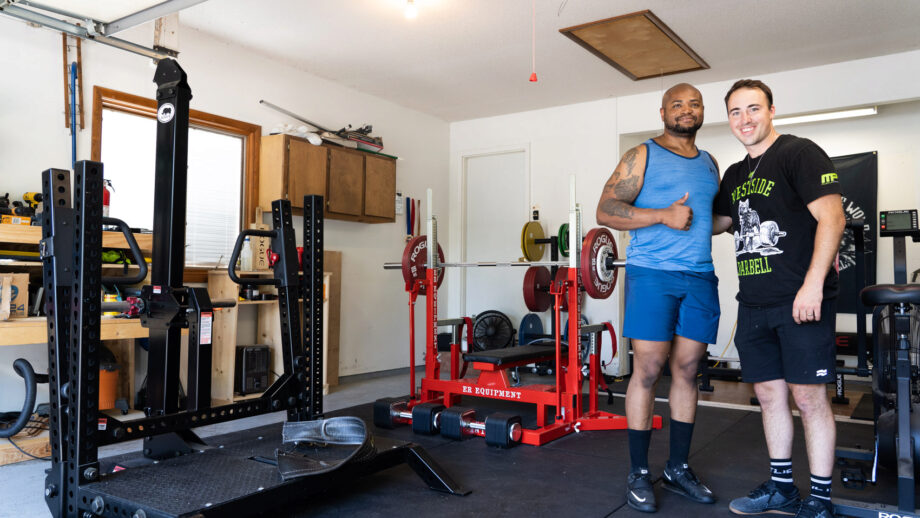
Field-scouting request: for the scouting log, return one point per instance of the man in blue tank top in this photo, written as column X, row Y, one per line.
column 662, row 193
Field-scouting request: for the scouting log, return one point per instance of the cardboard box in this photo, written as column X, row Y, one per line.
column 14, row 295
column 8, row 219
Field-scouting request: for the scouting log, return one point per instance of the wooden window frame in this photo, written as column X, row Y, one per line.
column 106, row 98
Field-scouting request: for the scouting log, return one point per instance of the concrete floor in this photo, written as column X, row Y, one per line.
column 22, row 484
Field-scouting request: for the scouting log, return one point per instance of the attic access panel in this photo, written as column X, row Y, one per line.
column 639, row 45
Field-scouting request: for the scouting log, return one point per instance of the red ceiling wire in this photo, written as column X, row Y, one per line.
column 533, row 43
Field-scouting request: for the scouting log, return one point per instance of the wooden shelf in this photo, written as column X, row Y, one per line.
column 34, row 330
column 30, row 235
column 253, row 302
column 34, row 264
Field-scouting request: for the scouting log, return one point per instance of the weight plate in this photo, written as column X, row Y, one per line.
column 562, row 239
column 503, row 430
column 536, row 289
column 530, row 329
column 453, row 420
column 596, row 249
column 425, row 418
column 415, row 259
column 383, row 417
column 561, row 275
column 532, row 250
column 492, row 330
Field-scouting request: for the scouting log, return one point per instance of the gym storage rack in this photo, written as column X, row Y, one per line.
column 178, row 473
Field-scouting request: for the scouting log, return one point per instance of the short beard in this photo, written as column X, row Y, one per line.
column 683, row 130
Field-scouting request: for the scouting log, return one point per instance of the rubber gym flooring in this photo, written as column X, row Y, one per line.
column 581, row 474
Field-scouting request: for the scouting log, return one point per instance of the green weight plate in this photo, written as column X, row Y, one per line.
column 530, row 233
column 562, row 239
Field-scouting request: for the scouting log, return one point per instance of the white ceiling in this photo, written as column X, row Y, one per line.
column 464, row 59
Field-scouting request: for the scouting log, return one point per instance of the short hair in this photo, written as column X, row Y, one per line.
column 755, row 84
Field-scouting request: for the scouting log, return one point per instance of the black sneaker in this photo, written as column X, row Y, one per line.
column 683, row 481
column 814, row 507
column 766, row 499
column 639, row 494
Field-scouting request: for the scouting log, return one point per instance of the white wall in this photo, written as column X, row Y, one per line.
column 228, row 81
column 589, row 138
column 579, row 140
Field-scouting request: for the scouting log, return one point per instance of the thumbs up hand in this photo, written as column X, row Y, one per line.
column 678, row 216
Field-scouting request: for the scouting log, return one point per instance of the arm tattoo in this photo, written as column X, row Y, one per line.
column 630, row 160
column 628, row 189
column 624, row 186
column 617, row 208
column 611, row 185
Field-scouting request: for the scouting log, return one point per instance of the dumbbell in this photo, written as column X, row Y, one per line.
column 388, row 412
column 499, row 429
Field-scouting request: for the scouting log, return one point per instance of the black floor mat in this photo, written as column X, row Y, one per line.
column 864, row 409
column 581, row 474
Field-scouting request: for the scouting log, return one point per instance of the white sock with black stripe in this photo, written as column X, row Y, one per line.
column 781, row 475
column 821, row 487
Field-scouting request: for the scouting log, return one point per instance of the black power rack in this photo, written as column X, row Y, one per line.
column 180, row 474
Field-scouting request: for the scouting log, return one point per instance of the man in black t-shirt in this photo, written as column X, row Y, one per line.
column 783, row 202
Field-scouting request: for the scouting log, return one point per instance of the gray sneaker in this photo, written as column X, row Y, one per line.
column 766, row 499
column 813, row 507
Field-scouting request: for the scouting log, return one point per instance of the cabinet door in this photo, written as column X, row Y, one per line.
column 306, row 171
column 380, row 188
column 346, row 182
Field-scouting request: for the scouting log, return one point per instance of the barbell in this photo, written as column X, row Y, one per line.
column 597, row 268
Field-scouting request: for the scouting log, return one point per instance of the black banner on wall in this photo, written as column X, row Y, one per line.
column 859, row 183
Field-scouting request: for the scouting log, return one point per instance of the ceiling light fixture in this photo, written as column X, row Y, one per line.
column 816, row 117
column 411, row 11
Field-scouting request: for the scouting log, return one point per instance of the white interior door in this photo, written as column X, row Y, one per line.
column 496, row 206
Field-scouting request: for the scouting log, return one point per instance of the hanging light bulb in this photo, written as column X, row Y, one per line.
column 411, row 10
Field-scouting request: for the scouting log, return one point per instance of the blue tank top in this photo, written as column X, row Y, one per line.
column 667, row 177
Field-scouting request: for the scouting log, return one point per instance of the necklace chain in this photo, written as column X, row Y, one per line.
column 754, row 171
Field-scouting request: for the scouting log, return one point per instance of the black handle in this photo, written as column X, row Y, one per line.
column 24, row 369
column 235, row 255
column 135, row 252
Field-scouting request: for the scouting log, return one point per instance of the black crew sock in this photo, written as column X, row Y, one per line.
column 821, row 488
column 638, row 449
column 681, row 434
column 781, row 475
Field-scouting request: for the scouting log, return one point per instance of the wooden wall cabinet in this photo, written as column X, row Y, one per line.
column 357, row 186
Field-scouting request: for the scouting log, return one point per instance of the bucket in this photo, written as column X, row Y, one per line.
column 108, row 385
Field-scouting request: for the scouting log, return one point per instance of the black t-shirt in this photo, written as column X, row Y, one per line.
column 774, row 231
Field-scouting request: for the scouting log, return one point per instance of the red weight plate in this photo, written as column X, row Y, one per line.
column 415, row 258
column 562, row 274
column 597, row 247
column 536, row 286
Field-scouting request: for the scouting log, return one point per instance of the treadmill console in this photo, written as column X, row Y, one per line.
column 894, row 223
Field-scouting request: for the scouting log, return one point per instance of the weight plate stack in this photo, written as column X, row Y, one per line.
column 562, row 239
column 415, row 261
column 532, row 231
column 536, row 289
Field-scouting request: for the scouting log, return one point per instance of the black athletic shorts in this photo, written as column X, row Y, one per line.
column 772, row 346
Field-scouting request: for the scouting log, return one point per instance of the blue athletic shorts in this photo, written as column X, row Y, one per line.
column 662, row 303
